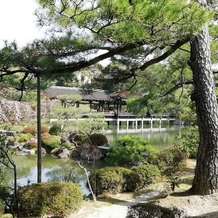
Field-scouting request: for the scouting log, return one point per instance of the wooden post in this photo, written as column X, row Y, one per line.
column 39, row 149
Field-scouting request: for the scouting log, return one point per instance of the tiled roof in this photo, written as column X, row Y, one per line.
column 92, row 95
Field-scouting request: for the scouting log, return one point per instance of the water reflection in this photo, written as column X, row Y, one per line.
column 159, row 139
column 54, row 169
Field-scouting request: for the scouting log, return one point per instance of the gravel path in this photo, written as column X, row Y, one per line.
column 118, row 210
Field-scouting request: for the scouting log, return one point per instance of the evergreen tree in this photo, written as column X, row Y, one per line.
column 205, row 180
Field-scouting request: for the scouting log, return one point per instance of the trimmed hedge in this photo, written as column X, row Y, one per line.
column 130, row 150
column 24, row 137
column 170, row 161
column 55, row 129
column 81, row 138
column 98, row 139
column 146, row 173
column 44, row 129
column 114, row 180
column 148, row 210
column 53, row 198
column 30, row 129
column 32, row 144
column 51, row 141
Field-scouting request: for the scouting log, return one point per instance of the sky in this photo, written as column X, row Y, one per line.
column 17, row 22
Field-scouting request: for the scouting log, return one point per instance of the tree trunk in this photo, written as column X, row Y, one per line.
column 206, row 173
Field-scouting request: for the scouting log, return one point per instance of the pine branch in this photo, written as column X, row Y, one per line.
column 165, row 55
column 177, row 86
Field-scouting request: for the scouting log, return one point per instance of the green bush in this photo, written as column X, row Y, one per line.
column 81, row 138
column 11, row 140
column 55, row 129
column 24, row 137
column 146, row 173
column 53, row 198
column 170, row 161
column 5, row 194
column 98, row 139
column 51, row 142
column 114, row 180
column 68, row 146
column 2, row 207
column 130, row 150
column 30, row 129
column 5, row 191
column 148, row 210
column 190, row 143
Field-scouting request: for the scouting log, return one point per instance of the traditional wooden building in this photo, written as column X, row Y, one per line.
column 98, row 99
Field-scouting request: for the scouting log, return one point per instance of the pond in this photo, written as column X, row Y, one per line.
column 54, row 169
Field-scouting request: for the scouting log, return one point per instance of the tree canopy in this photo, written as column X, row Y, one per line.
column 96, row 30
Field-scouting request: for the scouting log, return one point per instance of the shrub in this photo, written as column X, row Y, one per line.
column 5, row 194
column 130, row 150
column 98, row 139
column 2, row 207
column 170, row 161
column 55, row 129
column 81, row 138
column 148, row 210
column 190, row 144
column 24, row 137
column 68, row 146
column 11, row 140
column 45, row 136
column 146, row 173
column 44, row 129
column 30, row 129
column 32, row 144
column 114, row 180
column 51, row 142
column 53, row 198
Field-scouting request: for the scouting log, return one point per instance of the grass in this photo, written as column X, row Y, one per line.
column 7, row 215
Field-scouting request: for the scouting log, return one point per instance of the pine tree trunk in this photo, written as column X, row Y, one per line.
column 206, row 173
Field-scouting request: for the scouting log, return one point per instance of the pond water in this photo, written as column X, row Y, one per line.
column 54, row 169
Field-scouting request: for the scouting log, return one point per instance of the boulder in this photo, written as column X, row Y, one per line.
column 61, row 153
column 63, row 156
column 43, row 151
column 28, row 151
column 89, row 152
column 64, row 139
column 25, row 151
